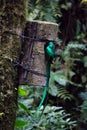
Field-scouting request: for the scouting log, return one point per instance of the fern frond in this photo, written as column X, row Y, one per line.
column 76, row 46
column 64, row 94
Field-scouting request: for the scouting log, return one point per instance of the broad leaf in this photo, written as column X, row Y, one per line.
column 23, row 107
column 60, row 78
column 22, row 92
column 20, row 123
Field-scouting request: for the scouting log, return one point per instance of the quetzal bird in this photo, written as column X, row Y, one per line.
column 49, row 55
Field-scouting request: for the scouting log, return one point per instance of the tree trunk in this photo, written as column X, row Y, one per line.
column 12, row 16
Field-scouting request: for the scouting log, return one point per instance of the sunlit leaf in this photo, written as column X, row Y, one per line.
column 1, row 114
column 22, row 92
column 84, row 1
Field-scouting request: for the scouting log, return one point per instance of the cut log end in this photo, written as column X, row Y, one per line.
column 35, row 59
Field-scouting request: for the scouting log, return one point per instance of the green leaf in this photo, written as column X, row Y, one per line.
column 60, row 78
column 71, row 73
column 1, row 114
column 20, row 123
column 23, row 107
column 85, row 61
column 53, row 90
column 75, row 84
column 22, row 92
column 63, row 6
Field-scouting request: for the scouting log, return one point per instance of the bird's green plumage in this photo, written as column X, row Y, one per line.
column 50, row 50
column 49, row 54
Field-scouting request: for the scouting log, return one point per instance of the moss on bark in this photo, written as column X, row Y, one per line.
column 12, row 15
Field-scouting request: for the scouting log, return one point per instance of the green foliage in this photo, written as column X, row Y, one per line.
column 64, row 94
column 21, row 105
column 62, row 78
column 20, row 123
column 83, row 107
column 43, row 10
column 1, row 114
column 52, row 118
column 59, row 89
column 85, row 61
column 80, row 30
column 68, row 80
column 21, row 91
column 84, row 112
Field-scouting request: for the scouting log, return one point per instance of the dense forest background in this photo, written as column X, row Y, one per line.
column 66, row 102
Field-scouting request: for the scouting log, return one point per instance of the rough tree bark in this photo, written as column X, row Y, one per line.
column 33, row 54
column 12, row 18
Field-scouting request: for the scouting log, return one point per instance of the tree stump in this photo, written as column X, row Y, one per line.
column 33, row 55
